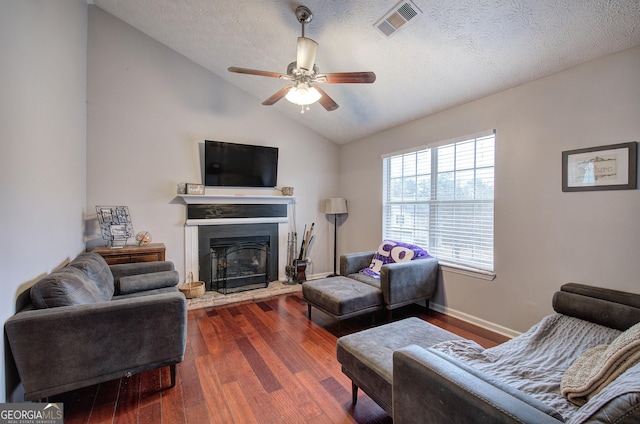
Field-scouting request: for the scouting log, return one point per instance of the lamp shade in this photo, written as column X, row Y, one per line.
column 335, row 205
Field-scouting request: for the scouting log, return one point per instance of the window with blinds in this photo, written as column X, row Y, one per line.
column 442, row 199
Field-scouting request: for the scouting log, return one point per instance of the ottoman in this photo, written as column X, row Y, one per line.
column 341, row 297
column 367, row 356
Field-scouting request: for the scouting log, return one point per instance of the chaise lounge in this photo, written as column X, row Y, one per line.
column 419, row 373
column 90, row 322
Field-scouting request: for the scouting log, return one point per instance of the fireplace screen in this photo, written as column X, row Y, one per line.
column 239, row 263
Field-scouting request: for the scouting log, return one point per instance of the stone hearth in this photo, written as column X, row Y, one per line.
column 212, row 298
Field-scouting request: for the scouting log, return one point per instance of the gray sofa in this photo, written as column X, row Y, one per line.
column 401, row 283
column 418, row 376
column 90, row 322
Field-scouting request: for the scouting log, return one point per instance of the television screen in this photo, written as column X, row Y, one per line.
column 239, row 165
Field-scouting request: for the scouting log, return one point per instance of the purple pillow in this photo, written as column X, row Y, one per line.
column 391, row 251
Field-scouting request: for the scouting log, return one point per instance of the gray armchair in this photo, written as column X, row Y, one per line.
column 401, row 283
column 89, row 322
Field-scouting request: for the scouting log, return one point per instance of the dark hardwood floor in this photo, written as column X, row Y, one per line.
column 255, row 362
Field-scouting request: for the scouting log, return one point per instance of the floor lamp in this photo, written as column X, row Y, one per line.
column 335, row 206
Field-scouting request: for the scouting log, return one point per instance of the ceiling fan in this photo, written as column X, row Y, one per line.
column 304, row 74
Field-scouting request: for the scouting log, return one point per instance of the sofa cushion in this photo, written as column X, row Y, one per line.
column 65, row 287
column 97, row 270
column 391, row 251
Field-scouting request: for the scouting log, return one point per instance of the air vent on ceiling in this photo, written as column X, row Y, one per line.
column 399, row 15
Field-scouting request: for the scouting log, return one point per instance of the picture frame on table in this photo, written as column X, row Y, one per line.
column 611, row 167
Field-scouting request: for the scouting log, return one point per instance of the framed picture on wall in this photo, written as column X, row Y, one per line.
column 612, row 167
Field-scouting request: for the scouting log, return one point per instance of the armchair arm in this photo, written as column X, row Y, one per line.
column 60, row 349
column 406, row 282
column 427, row 388
column 351, row 263
column 136, row 268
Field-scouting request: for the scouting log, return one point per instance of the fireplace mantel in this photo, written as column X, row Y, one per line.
column 234, row 198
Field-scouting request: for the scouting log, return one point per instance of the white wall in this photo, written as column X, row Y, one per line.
column 42, row 147
column 543, row 237
column 149, row 112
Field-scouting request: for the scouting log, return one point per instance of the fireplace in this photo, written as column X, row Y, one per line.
column 212, row 218
column 238, row 257
column 239, row 264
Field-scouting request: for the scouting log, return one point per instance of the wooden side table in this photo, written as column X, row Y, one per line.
column 146, row 253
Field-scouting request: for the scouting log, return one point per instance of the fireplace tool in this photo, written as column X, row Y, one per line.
column 292, row 248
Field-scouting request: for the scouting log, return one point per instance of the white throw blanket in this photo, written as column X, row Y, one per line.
column 600, row 365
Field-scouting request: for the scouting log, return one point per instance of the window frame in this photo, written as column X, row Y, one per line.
column 485, row 268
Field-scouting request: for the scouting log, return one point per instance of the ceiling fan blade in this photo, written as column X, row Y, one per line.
column 255, row 72
column 346, row 78
column 277, row 95
column 327, row 102
column 306, row 56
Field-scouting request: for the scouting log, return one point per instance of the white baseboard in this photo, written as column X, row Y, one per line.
column 311, row 277
column 474, row 320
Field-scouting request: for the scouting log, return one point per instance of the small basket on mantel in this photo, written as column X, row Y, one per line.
column 192, row 289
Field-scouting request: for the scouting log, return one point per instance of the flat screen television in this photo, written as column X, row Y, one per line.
column 239, row 165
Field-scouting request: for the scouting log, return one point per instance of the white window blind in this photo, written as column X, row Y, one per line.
column 442, row 199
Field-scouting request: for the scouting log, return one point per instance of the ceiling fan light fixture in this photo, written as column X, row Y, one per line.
column 303, row 94
column 306, row 56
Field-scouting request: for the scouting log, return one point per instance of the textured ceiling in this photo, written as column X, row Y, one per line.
column 453, row 52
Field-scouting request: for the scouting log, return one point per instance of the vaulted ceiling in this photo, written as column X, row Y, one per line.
column 449, row 53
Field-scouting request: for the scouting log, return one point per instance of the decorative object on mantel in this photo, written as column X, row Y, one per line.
column 115, row 225
column 287, row 191
column 182, row 188
column 192, row 289
column 143, row 237
column 612, row 167
column 335, row 206
column 195, row 188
